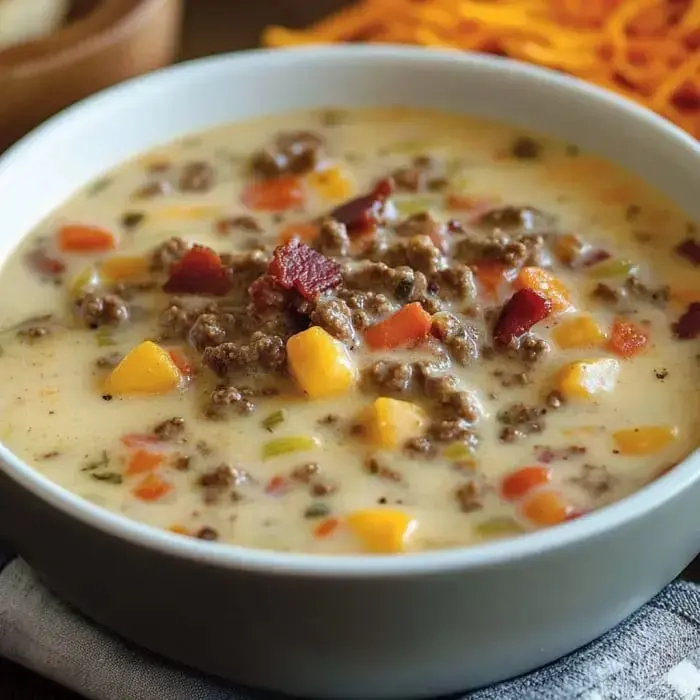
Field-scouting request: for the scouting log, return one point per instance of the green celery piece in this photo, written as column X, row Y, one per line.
column 416, row 205
column 617, row 267
column 287, row 445
column 501, row 526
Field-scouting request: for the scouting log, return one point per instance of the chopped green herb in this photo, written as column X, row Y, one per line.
column 416, row 205
column 131, row 219
column 99, row 186
column 526, row 148
column 86, row 280
column 317, row 510
column 498, row 527
column 274, row 419
column 613, row 268
column 99, row 463
column 457, row 451
column 287, row 445
column 105, row 338
column 109, row 477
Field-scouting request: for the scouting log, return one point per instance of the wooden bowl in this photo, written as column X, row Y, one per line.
column 105, row 42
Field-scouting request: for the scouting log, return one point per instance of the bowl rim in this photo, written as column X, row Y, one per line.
column 230, row 556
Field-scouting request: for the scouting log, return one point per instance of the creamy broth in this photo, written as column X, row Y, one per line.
column 437, row 471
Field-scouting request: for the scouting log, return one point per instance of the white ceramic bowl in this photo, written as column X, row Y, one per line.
column 352, row 627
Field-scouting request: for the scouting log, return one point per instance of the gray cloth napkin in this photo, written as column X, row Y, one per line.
column 654, row 655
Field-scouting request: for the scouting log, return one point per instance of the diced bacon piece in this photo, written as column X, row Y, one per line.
column 364, row 213
column 688, row 325
column 199, row 271
column 296, row 266
column 520, row 313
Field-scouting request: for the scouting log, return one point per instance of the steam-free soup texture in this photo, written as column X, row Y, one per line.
column 355, row 332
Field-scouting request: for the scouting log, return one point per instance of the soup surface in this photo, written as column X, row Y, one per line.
column 347, row 332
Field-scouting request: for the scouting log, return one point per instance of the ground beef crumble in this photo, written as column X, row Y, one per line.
column 228, row 400
column 235, row 224
column 170, row 429
column 462, row 339
column 333, row 239
column 595, row 479
column 366, row 307
column 268, row 351
column 421, row 175
column 211, row 329
column 197, row 176
column 102, row 309
column 421, row 224
column 420, row 446
column 32, row 334
column 528, row 349
column 455, row 282
column 311, row 474
column 632, row 288
column 294, row 152
column 520, row 420
column 220, row 480
column 334, row 316
column 375, row 467
column 208, row 534
column 418, row 252
column 454, row 430
column 244, row 268
column 393, row 377
column 469, row 497
column 515, row 219
column 164, row 255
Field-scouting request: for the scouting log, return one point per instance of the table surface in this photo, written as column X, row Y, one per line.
column 211, row 26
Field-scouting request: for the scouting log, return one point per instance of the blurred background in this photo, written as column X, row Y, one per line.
column 55, row 52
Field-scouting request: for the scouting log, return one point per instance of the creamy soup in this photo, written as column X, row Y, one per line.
column 348, row 332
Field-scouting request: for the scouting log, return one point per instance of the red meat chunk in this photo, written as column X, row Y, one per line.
column 520, row 313
column 364, row 213
column 199, row 271
column 296, row 266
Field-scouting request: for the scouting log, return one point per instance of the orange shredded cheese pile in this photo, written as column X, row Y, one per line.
column 646, row 50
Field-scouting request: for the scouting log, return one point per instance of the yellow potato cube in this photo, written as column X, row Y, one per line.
column 645, row 440
column 119, row 268
column 146, row 369
column 320, row 364
column 587, row 378
column 382, row 531
column 332, row 183
column 390, row 422
column 579, row 332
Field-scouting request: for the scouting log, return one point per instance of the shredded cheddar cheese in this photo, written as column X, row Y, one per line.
column 646, row 50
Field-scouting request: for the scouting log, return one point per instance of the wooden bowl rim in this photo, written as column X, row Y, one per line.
column 111, row 22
